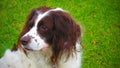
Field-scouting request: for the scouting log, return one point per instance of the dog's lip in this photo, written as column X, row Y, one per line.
column 28, row 49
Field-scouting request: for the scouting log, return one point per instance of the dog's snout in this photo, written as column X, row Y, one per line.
column 25, row 40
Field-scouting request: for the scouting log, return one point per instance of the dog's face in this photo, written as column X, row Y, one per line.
column 34, row 39
column 53, row 28
column 39, row 30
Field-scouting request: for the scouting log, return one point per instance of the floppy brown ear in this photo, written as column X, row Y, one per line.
column 31, row 15
column 78, row 31
column 30, row 18
column 66, row 34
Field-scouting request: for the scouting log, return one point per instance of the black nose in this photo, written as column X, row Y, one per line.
column 25, row 40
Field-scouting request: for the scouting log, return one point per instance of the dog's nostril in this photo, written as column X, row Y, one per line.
column 25, row 40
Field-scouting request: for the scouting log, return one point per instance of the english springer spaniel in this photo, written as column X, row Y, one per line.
column 50, row 39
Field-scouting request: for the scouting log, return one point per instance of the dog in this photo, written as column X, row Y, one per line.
column 50, row 38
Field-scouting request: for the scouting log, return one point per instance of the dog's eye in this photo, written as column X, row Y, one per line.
column 43, row 27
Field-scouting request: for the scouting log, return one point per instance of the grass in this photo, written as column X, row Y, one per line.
column 100, row 20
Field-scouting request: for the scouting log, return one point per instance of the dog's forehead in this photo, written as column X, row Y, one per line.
column 42, row 15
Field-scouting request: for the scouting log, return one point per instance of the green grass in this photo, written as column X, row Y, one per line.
column 100, row 20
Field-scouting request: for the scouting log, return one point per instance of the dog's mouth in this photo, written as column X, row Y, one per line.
column 28, row 49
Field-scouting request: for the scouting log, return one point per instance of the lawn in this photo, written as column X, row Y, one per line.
column 100, row 20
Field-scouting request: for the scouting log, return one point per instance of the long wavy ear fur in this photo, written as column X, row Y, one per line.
column 66, row 34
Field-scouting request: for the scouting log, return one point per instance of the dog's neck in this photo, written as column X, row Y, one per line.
column 41, row 57
column 39, row 54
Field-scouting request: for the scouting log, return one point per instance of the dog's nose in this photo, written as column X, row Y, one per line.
column 25, row 40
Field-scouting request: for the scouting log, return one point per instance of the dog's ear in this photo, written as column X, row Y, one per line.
column 32, row 15
column 30, row 19
column 66, row 34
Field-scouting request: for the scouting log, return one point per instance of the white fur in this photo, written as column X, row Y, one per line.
column 16, row 59
column 37, row 59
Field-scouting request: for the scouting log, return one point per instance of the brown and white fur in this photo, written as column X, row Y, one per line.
column 50, row 39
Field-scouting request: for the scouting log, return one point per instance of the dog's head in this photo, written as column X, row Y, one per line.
column 46, row 27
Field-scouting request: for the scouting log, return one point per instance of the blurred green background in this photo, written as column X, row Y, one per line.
column 100, row 20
